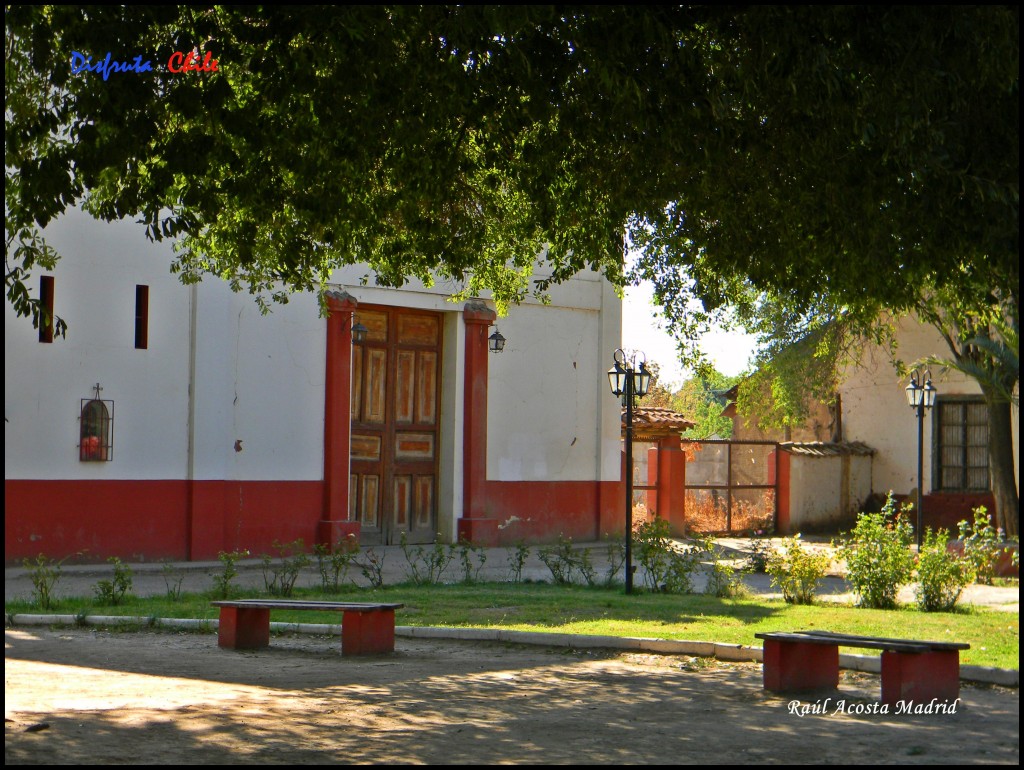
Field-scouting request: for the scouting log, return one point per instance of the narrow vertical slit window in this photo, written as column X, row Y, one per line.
column 141, row 317
column 46, row 304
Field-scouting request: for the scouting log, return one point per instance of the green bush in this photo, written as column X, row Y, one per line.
column 796, row 571
column 333, row 563
column 44, row 573
column 517, row 560
column 982, row 545
column 472, row 559
column 665, row 568
column 878, row 557
column 724, row 581
column 942, row 575
column 113, row 592
column 425, row 566
column 174, row 576
column 565, row 562
column 222, row 582
column 279, row 577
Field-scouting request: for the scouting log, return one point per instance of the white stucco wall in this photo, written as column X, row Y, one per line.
column 261, row 382
column 875, row 408
column 816, row 484
column 547, row 394
column 260, row 379
column 94, row 292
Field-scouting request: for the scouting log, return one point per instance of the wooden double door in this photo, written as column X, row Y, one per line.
column 396, row 375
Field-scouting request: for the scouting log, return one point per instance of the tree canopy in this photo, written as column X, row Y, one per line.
column 858, row 151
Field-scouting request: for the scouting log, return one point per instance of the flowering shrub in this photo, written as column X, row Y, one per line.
column 982, row 545
column 665, row 568
column 878, row 557
column 942, row 575
column 796, row 571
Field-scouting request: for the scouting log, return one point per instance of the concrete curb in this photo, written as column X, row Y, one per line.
column 737, row 653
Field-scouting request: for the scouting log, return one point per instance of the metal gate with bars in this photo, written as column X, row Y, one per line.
column 731, row 486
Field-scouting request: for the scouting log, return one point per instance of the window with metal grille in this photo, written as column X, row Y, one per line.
column 961, row 436
column 96, row 437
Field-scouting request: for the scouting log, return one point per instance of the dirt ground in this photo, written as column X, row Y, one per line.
column 81, row 696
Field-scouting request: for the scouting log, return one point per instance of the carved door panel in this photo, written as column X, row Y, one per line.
column 395, row 411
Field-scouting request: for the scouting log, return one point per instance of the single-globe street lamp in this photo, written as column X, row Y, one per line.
column 629, row 380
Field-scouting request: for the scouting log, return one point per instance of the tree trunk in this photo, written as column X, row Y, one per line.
column 1001, row 464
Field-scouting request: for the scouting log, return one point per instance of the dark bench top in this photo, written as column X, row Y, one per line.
column 869, row 642
column 299, row 604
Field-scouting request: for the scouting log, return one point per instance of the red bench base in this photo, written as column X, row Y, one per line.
column 363, row 632
column 911, row 672
column 920, row 677
column 796, row 667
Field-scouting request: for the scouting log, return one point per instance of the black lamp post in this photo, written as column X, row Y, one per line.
column 629, row 380
column 920, row 397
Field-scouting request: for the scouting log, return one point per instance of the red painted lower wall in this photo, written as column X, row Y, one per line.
column 252, row 515
column 90, row 521
column 97, row 519
column 944, row 510
column 543, row 511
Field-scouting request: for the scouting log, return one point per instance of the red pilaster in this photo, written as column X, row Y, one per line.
column 334, row 526
column 478, row 318
column 672, row 484
column 779, row 474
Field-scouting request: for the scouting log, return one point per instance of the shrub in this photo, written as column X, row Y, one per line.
column 425, row 566
column 517, row 560
column 760, row 551
column 468, row 553
column 112, row 592
column 665, row 568
column 982, row 545
column 796, row 571
column 723, row 580
column 222, row 582
column 616, row 554
column 564, row 562
column 372, row 567
column 333, row 564
column 878, row 557
column 173, row 578
column 279, row 578
column 942, row 575
column 44, row 573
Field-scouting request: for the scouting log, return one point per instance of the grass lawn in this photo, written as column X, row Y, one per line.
column 994, row 636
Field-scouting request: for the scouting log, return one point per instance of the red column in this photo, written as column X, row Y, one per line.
column 474, row 526
column 781, row 460
column 672, row 484
column 335, row 527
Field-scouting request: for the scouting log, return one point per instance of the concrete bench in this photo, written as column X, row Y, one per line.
column 366, row 629
column 804, row 661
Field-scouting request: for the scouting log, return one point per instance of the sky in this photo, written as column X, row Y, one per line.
column 642, row 329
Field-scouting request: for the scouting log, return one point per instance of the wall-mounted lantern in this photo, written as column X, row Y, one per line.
column 496, row 342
